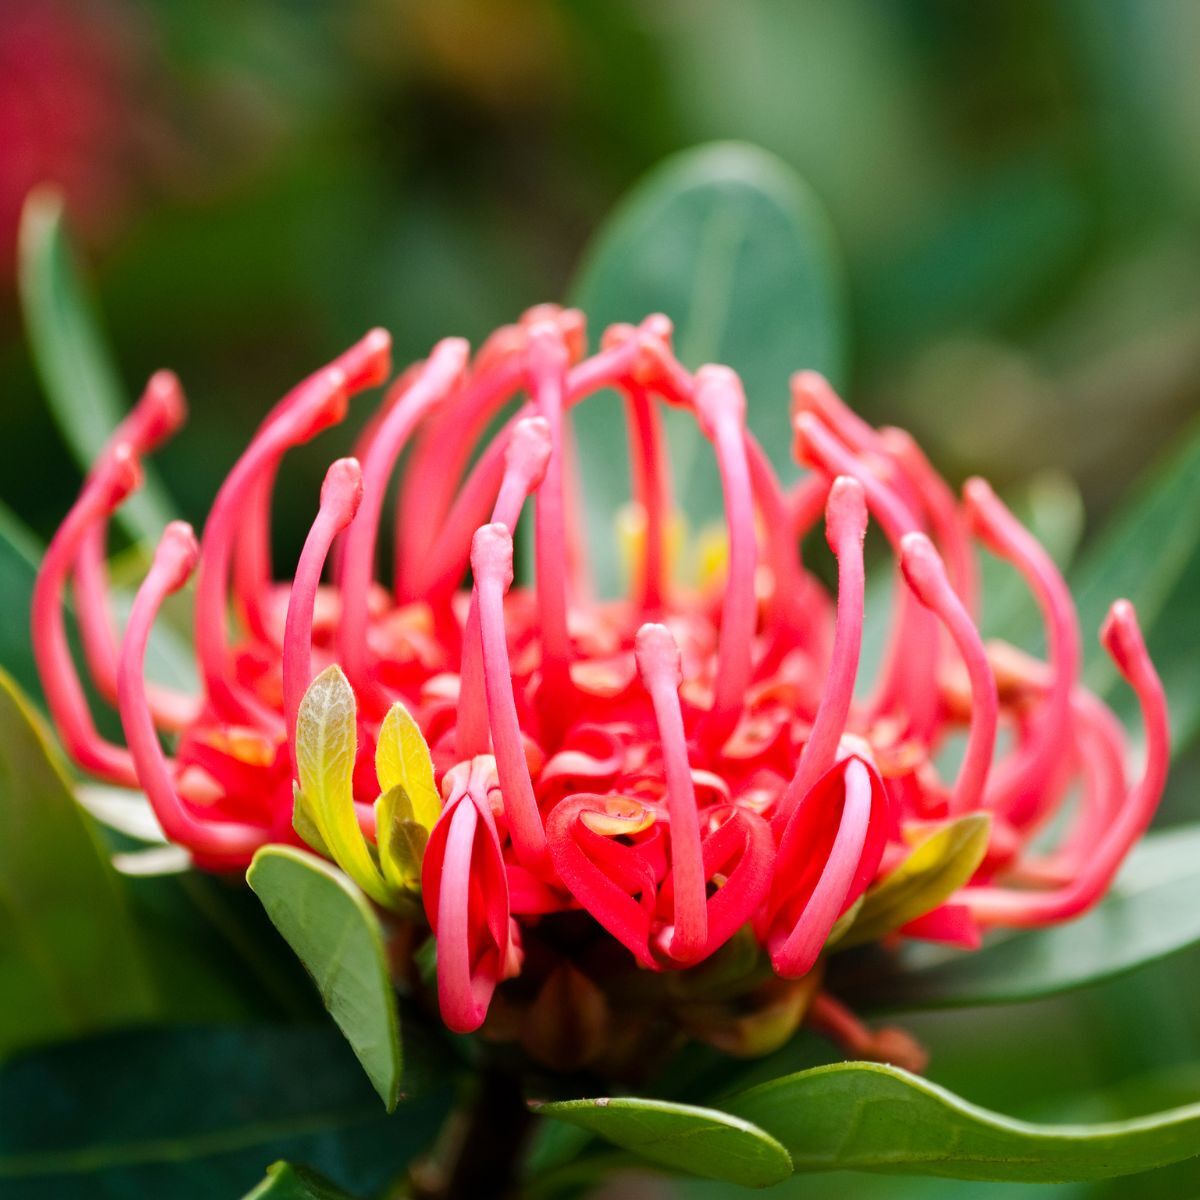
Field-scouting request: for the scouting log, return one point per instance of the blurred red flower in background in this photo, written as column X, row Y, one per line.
column 69, row 112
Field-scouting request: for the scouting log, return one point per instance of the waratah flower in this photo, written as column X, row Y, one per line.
column 682, row 797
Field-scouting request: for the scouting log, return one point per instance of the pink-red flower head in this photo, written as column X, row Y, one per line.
column 651, row 783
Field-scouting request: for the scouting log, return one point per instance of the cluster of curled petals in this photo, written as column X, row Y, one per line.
column 678, row 771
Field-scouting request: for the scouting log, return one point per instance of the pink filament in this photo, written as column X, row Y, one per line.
column 318, row 403
column 220, row 843
column 945, row 519
column 114, row 478
column 997, row 905
column 159, row 412
column 526, row 456
column 466, row 900
column 1022, row 784
column 440, row 376
column 1100, row 749
column 341, row 494
column 491, row 561
column 437, row 464
column 846, row 527
column 547, row 370
column 907, row 673
column 463, row 1002
column 442, row 453
column 721, row 411
column 743, row 839
column 926, row 576
column 659, row 664
column 795, row 954
column 651, row 489
column 366, row 364
column 499, row 371
column 796, row 599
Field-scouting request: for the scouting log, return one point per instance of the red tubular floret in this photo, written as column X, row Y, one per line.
column 659, row 664
column 721, row 411
column 218, row 844
column 491, row 560
column 846, row 527
column 1007, row 906
column 115, row 476
column 341, row 494
column 1025, row 784
column 926, row 575
column 441, row 375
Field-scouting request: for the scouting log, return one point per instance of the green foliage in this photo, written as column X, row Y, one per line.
column 333, row 929
column 697, row 1141
column 867, row 1117
column 286, row 1182
column 730, row 244
column 71, row 961
column 862, row 1116
column 73, row 360
column 194, row 1113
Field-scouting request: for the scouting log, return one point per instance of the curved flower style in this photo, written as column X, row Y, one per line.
column 689, row 774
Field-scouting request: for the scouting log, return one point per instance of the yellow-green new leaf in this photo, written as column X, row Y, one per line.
column 402, row 759
column 401, row 838
column 304, row 822
column 934, row 870
column 326, row 744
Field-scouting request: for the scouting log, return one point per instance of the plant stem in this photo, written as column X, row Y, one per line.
column 483, row 1149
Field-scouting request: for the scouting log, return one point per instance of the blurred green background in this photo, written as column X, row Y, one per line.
column 1015, row 187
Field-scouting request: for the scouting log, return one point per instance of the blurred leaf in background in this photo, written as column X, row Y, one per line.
column 71, row 959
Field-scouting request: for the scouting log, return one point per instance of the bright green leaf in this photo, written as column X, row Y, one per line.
column 866, row 1117
column 287, row 1182
column 70, row 958
column 699, row 1141
column 1152, row 911
column 932, row 872
column 728, row 242
column 326, row 744
column 193, row 1113
column 337, row 936
column 402, row 760
column 402, row 839
column 76, row 369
